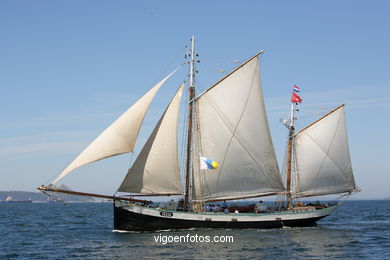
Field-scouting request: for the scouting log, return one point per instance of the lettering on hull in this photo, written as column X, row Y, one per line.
column 166, row 214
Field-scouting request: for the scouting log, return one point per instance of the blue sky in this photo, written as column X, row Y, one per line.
column 69, row 68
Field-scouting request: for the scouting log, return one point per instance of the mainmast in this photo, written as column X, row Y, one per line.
column 191, row 96
column 289, row 153
column 295, row 99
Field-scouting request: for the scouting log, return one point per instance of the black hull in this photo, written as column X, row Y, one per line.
column 130, row 221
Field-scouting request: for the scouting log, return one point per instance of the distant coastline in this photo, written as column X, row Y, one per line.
column 40, row 197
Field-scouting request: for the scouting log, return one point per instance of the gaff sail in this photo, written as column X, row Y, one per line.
column 234, row 132
column 322, row 157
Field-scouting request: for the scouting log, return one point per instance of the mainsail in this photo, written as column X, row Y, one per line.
column 119, row 137
column 156, row 169
column 322, row 157
column 234, row 132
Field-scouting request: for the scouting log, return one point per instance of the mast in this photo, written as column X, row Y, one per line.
column 191, row 96
column 289, row 153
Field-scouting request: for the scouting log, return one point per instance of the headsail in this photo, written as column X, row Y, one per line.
column 156, row 169
column 234, row 132
column 322, row 157
column 119, row 137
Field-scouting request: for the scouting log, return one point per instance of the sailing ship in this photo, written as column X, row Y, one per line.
column 229, row 156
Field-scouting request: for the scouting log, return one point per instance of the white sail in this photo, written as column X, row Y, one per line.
column 322, row 157
column 234, row 133
column 156, row 169
column 119, row 137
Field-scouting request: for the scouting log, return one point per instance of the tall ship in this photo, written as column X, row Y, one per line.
column 229, row 155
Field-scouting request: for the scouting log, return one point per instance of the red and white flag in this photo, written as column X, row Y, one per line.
column 295, row 98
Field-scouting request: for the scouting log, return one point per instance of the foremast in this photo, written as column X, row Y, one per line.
column 191, row 96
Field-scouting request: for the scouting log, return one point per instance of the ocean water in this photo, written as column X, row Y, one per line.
column 357, row 230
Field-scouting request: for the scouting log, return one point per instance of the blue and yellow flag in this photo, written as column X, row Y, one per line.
column 207, row 164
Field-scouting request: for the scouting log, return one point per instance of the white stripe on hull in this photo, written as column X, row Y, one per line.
column 241, row 217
